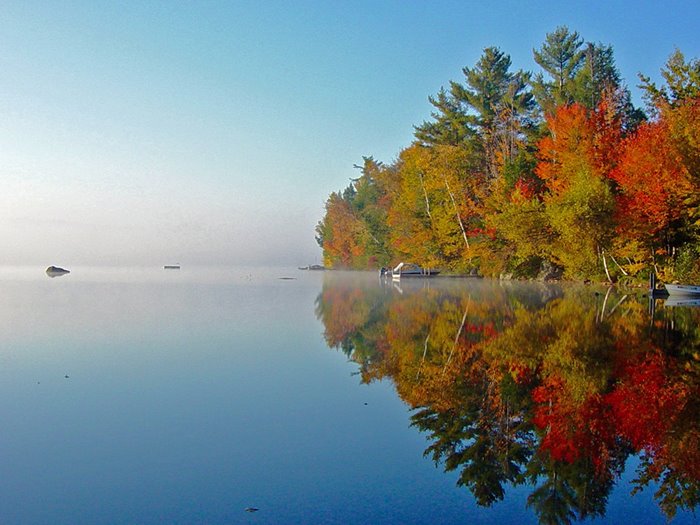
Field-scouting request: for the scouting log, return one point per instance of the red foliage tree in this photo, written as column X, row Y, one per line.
column 652, row 180
column 580, row 141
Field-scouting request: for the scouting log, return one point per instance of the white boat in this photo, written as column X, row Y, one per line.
column 411, row 270
column 312, row 267
column 682, row 289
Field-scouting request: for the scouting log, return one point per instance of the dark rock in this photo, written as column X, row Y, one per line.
column 549, row 272
column 56, row 271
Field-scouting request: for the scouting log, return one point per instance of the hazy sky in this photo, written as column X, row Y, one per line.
column 212, row 132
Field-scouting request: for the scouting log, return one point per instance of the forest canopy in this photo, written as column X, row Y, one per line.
column 518, row 171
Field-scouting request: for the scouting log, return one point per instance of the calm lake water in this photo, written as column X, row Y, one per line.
column 152, row 396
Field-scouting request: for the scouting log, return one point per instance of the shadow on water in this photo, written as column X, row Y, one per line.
column 551, row 387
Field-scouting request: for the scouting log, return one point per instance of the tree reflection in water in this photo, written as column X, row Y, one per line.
column 534, row 384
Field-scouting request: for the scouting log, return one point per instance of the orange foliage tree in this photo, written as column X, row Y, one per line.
column 574, row 162
column 653, row 185
column 340, row 232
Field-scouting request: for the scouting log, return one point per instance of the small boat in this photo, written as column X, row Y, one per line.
column 682, row 289
column 316, row 267
column 312, row 267
column 411, row 270
column 171, row 267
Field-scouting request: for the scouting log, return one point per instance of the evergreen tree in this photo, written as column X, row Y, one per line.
column 597, row 75
column 451, row 125
column 500, row 102
column 682, row 83
column 561, row 57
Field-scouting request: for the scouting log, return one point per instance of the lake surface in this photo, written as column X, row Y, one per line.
column 188, row 396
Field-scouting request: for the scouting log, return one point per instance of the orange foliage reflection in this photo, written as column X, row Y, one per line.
column 534, row 384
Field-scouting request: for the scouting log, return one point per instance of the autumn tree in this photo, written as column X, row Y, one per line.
column 657, row 176
column 339, row 233
column 521, row 175
column 435, row 205
column 353, row 232
column 653, row 187
column 575, row 212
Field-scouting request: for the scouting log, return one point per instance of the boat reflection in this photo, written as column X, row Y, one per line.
column 682, row 301
column 526, row 384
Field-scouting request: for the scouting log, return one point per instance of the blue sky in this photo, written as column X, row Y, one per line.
column 212, row 132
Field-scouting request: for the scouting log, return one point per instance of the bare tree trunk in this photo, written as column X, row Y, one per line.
column 618, row 265
column 605, row 265
column 425, row 194
column 454, row 204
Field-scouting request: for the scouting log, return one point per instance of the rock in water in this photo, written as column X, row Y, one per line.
column 55, row 271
